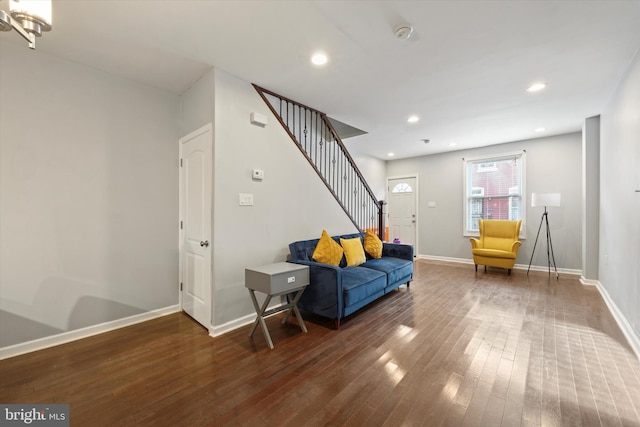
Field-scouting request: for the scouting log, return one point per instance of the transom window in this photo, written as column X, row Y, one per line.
column 402, row 187
column 493, row 189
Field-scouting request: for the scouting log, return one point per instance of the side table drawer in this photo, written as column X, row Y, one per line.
column 276, row 278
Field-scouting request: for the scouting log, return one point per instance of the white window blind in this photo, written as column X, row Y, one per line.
column 493, row 189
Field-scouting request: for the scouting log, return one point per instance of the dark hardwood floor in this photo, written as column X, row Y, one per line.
column 458, row 348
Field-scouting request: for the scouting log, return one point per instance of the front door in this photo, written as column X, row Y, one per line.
column 402, row 197
column 195, row 223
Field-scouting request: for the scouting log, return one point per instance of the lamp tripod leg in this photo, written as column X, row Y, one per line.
column 550, row 250
column 536, row 243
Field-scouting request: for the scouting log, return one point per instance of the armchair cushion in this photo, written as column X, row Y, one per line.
column 494, row 253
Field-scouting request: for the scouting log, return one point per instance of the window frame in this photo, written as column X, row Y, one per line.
column 489, row 159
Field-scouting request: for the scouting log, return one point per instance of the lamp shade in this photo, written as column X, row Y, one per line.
column 545, row 199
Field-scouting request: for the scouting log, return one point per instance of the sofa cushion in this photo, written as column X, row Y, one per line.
column 394, row 268
column 327, row 250
column 353, row 251
column 372, row 244
column 358, row 283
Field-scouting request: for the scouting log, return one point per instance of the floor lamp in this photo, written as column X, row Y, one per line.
column 546, row 200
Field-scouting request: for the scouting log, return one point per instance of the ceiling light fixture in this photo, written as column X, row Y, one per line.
column 28, row 17
column 426, row 141
column 540, row 129
column 319, row 58
column 390, row 154
column 403, row 31
column 536, row 87
column 413, row 119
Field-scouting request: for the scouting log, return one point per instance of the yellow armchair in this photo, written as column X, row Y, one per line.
column 498, row 243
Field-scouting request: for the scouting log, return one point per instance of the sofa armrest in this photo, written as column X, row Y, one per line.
column 397, row 250
column 323, row 296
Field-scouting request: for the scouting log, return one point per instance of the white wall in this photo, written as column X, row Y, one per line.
column 88, row 196
column 290, row 204
column 619, row 198
column 197, row 107
column 553, row 165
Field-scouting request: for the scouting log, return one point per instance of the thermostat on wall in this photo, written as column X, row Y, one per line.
column 258, row 174
column 258, row 119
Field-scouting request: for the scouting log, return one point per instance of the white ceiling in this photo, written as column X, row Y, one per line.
column 464, row 71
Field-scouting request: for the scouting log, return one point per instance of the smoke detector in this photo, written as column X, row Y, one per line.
column 403, row 31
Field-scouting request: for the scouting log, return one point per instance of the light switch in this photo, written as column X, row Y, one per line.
column 431, row 204
column 245, row 199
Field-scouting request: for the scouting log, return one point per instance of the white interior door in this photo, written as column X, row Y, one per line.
column 401, row 207
column 195, row 222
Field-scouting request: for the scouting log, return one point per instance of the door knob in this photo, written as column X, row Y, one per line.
column 205, row 243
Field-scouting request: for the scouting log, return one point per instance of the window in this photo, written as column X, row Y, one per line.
column 402, row 187
column 493, row 189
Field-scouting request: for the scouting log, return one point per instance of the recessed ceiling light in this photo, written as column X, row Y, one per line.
column 540, row 129
column 453, row 144
column 319, row 58
column 536, row 87
column 403, row 31
column 413, row 119
column 390, row 154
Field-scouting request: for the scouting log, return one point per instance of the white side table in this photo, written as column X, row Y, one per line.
column 274, row 280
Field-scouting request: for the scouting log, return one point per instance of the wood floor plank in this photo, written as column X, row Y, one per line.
column 456, row 348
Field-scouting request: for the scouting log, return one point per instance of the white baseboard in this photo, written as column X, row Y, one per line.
column 65, row 337
column 446, row 259
column 216, row 331
column 467, row 261
column 588, row 282
column 625, row 326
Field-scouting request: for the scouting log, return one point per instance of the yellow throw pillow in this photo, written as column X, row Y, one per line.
column 353, row 251
column 327, row 250
column 373, row 244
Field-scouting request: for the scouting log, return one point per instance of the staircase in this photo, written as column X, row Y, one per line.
column 318, row 141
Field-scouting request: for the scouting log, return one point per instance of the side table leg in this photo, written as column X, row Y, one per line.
column 260, row 319
column 294, row 308
column 300, row 321
column 290, row 305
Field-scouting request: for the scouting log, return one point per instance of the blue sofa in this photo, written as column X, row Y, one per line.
column 337, row 291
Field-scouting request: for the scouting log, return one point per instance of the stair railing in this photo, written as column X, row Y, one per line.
column 315, row 136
